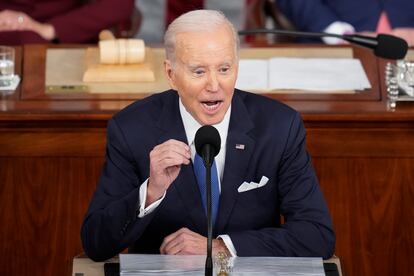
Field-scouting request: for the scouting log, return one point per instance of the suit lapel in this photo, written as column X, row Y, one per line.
column 237, row 159
column 172, row 127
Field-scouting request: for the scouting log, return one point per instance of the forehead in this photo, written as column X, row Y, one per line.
column 203, row 46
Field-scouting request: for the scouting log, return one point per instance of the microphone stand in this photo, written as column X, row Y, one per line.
column 209, row 259
column 369, row 42
column 288, row 33
column 208, row 159
column 384, row 46
column 208, row 163
column 207, row 142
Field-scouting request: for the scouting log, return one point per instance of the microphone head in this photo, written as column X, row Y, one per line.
column 391, row 47
column 207, row 135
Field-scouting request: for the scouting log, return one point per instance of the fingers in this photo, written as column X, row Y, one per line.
column 170, row 242
column 184, row 242
column 171, row 150
column 366, row 33
column 14, row 21
column 405, row 33
column 187, row 242
column 165, row 158
column 165, row 164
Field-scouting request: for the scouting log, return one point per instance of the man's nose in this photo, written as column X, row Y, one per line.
column 212, row 82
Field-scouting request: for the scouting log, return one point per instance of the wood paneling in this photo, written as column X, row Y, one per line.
column 59, row 142
column 42, row 204
column 370, row 200
column 361, row 142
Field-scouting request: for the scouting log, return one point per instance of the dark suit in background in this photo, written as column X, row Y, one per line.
column 363, row 15
column 74, row 21
column 274, row 146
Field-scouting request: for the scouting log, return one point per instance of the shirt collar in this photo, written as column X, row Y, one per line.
column 191, row 125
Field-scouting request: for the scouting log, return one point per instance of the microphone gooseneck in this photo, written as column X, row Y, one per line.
column 207, row 143
column 385, row 46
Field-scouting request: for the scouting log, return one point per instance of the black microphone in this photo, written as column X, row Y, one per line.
column 207, row 143
column 385, row 46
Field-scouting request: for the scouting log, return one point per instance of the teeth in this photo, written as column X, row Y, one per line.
column 211, row 105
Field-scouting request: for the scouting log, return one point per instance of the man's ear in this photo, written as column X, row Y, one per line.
column 169, row 73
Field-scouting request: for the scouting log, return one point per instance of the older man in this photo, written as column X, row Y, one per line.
column 148, row 198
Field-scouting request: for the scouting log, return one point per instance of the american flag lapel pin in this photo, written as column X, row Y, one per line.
column 240, row 146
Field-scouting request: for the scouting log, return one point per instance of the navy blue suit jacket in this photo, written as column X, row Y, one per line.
column 274, row 139
column 316, row 15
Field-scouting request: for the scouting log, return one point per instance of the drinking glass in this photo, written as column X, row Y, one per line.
column 6, row 65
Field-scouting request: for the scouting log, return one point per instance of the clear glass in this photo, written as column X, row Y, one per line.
column 6, row 65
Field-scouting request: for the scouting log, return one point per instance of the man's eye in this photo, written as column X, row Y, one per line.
column 198, row 72
column 224, row 69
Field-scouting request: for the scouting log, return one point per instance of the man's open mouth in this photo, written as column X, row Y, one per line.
column 211, row 105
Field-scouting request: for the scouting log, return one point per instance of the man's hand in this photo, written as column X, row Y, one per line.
column 187, row 242
column 19, row 21
column 165, row 165
column 405, row 33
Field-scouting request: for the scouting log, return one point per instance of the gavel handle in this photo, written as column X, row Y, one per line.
column 106, row 35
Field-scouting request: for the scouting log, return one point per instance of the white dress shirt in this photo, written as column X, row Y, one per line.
column 191, row 126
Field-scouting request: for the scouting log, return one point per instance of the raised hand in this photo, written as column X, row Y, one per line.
column 165, row 165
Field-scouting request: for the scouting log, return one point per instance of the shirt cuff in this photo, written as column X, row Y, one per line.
column 143, row 198
column 229, row 244
column 340, row 28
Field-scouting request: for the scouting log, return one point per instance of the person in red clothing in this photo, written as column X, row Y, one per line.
column 64, row 21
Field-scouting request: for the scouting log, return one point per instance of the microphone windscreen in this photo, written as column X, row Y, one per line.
column 391, row 47
column 207, row 135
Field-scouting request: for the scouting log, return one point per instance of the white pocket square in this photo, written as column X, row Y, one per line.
column 246, row 186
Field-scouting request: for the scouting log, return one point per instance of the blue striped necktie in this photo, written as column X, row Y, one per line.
column 200, row 173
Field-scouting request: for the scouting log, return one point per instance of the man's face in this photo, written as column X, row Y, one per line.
column 204, row 73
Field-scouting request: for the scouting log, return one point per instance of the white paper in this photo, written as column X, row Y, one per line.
column 141, row 264
column 321, row 74
column 252, row 74
column 313, row 74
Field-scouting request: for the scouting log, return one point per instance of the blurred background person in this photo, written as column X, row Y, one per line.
column 243, row 14
column 367, row 17
column 64, row 21
column 158, row 14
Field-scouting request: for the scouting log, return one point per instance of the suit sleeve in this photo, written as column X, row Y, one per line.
column 84, row 23
column 308, row 229
column 313, row 15
column 111, row 223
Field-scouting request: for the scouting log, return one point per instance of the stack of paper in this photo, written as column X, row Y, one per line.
column 137, row 264
column 314, row 74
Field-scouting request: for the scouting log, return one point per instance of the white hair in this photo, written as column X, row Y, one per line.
column 196, row 21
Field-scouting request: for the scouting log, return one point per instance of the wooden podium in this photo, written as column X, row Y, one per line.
column 52, row 147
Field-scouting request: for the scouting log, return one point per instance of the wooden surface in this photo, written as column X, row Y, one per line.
column 52, row 147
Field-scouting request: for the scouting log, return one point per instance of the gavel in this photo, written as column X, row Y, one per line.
column 120, row 51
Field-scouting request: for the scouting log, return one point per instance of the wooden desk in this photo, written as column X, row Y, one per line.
column 87, row 267
column 52, row 147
